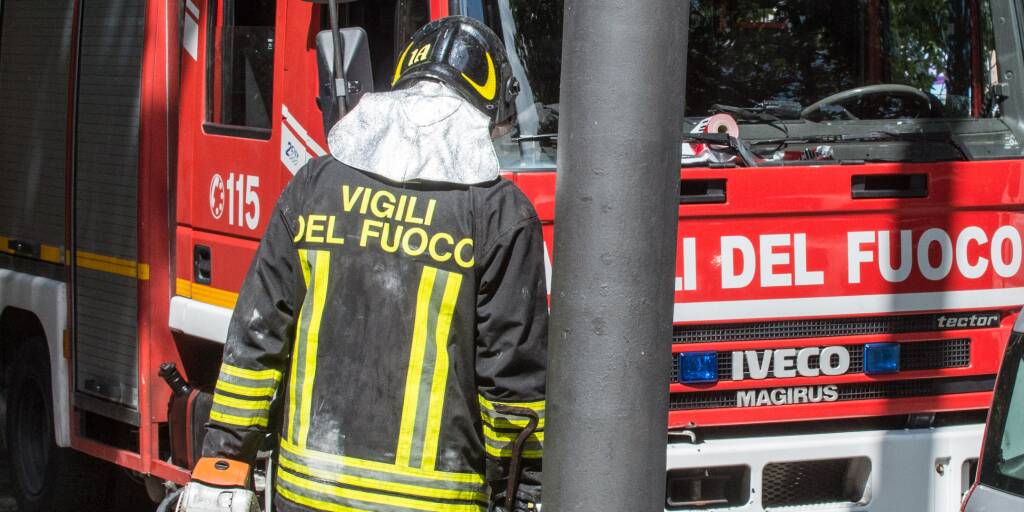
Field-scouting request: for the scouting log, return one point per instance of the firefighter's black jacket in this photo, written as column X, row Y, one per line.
column 388, row 320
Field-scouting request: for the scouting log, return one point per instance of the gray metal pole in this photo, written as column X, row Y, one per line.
column 623, row 69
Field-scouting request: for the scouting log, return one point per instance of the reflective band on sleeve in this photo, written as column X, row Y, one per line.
column 499, row 444
column 242, row 373
column 527, row 454
column 508, row 437
column 238, row 421
column 236, row 389
column 501, row 430
column 253, row 405
column 503, row 421
column 537, row 406
column 242, row 382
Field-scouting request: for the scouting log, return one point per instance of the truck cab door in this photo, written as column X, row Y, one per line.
column 248, row 121
column 246, row 126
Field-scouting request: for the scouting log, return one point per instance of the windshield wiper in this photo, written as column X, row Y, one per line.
column 732, row 144
column 876, row 136
column 744, row 114
column 766, row 111
column 537, row 137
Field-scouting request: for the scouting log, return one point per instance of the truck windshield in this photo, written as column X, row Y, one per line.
column 817, row 68
column 1003, row 461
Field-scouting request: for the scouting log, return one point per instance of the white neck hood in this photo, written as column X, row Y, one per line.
column 426, row 132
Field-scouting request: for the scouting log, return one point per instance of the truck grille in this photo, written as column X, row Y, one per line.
column 846, row 392
column 924, row 355
column 815, row 482
column 821, row 328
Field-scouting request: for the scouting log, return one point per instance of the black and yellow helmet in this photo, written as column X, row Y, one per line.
column 466, row 55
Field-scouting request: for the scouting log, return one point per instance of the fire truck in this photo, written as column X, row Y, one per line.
column 849, row 254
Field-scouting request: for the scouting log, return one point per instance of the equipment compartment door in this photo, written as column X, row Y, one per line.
column 35, row 50
column 106, row 208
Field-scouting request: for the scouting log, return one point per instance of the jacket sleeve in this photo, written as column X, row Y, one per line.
column 511, row 353
column 258, row 345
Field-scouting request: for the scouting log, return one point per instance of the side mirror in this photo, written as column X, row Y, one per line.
column 337, row 97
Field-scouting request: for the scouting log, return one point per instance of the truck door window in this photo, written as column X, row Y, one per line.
column 1003, row 460
column 532, row 33
column 388, row 26
column 412, row 14
column 240, row 68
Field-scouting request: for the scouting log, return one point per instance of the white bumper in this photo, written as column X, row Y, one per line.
column 199, row 319
column 903, row 474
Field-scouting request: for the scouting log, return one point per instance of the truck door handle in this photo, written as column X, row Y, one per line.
column 877, row 186
column 202, row 264
column 703, row 191
column 23, row 248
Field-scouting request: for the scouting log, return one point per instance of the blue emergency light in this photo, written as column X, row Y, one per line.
column 697, row 367
column 881, row 358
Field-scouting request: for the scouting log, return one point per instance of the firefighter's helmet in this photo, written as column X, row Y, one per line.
column 466, row 55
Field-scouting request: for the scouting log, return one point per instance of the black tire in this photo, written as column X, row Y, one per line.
column 46, row 478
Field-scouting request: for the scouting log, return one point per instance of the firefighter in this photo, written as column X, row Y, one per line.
column 396, row 309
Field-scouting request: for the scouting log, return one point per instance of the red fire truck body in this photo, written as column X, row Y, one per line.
column 786, row 274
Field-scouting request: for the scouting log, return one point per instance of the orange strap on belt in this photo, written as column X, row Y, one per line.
column 221, row 472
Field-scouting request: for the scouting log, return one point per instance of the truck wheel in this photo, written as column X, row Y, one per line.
column 45, row 476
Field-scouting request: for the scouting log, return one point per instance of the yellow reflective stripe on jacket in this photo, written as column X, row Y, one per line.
column 412, row 381
column 237, row 403
column 537, row 406
column 507, row 452
column 243, row 373
column 427, row 373
column 238, row 421
column 498, row 420
column 302, row 322
column 345, row 497
column 314, row 504
column 244, row 382
column 235, row 389
column 531, row 449
column 501, row 430
column 321, row 272
column 315, row 273
column 499, row 444
column 437, row 388
column 385, row 484
column 341, row 461
column 502, row 436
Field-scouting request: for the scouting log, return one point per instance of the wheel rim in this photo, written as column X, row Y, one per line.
column 32, row 431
